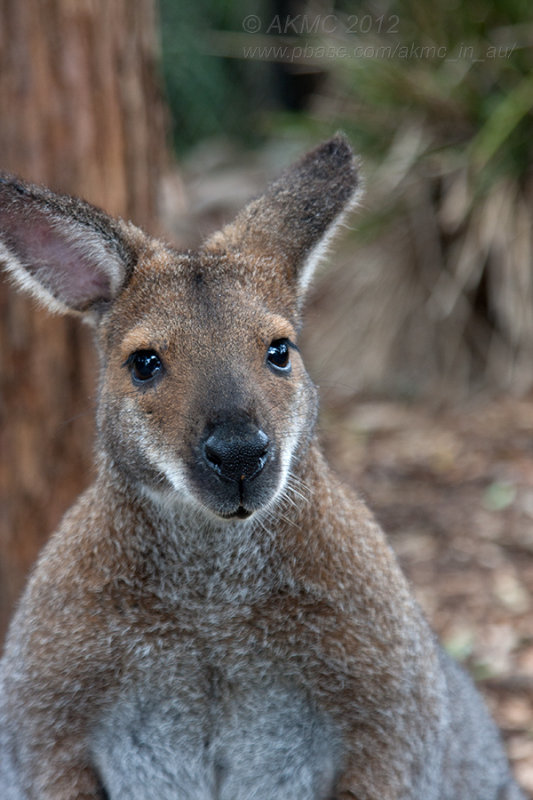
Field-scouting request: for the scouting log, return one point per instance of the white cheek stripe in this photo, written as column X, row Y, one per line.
column 170, row 468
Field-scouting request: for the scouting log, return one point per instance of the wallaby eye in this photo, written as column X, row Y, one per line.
column 144, row 366
column 278, row 355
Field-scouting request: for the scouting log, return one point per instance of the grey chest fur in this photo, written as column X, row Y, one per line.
column 216, row 739
column 216, row 711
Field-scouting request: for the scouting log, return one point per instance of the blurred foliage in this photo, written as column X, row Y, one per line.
column 443, row 107
column 462, row 71
column 208, row 94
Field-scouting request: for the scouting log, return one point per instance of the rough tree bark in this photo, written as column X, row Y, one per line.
column 81, row 111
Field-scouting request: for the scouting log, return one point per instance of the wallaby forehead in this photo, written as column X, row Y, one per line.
column 217, row 295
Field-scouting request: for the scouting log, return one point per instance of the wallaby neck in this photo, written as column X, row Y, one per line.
column 305, row 541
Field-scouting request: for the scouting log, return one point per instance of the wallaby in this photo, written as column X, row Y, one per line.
column 217, row 617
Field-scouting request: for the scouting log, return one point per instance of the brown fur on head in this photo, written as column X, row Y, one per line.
column 221, row 418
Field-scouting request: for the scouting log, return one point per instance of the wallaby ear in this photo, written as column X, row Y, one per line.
column 293, row 221
column 70, row 255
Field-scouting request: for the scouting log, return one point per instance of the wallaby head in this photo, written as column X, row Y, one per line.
column 203, row 393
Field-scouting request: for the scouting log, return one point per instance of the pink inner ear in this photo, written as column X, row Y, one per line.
column 63, row 256
column 70, row 274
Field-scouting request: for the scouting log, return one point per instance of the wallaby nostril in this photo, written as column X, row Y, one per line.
column 263, row 442
column 211, row 456
column 237, row 453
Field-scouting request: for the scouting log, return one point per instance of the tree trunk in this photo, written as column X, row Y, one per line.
column 80, row 111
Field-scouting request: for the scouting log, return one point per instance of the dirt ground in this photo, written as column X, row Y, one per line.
column 454, row 491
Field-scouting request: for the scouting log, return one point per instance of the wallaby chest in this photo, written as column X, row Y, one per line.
column 198, row 733
column 212, row 704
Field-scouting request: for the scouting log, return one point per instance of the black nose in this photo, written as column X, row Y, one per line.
column 236, row 452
